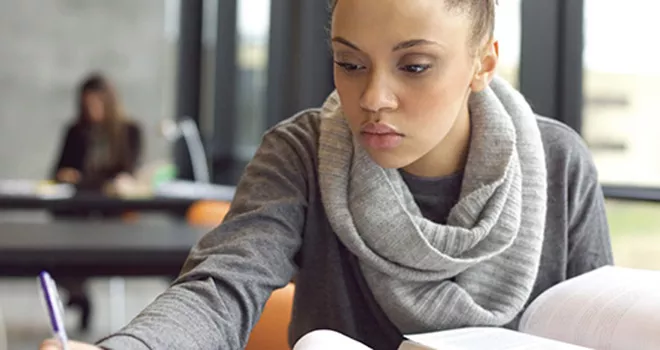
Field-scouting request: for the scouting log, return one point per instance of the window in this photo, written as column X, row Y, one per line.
column 507, row 31
column 635, row 232
column 208, row 51
column 235, row 44
column 252, row 64
column 620, row 121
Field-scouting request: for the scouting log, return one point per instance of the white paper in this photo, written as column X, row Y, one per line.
column 328, row 340
column 483, row 338
column 611, row 308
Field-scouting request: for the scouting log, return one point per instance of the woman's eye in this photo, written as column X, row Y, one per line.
column 415, row 68
column 349, row 67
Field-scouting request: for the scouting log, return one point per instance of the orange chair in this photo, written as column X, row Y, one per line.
column 207, row 213
column 130, row 217
column 272, row 330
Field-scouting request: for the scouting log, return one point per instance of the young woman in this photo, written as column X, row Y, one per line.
column 100, row 146
column 102, row 143
column 424, row 195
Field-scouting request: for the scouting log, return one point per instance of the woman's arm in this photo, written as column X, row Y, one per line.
column 134, row 147
column 588, row 232
column 232, row 271
column 67, row 167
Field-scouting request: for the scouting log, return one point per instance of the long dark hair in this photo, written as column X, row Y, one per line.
column 114, row 122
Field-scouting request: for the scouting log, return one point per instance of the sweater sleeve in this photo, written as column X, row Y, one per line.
column 589, row 245
column 233, row 269
column 69, row 156
column 134, row 147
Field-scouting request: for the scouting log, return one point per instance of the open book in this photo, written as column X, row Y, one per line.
column 610, row 308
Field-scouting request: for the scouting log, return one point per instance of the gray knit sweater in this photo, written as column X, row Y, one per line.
column 277, row 228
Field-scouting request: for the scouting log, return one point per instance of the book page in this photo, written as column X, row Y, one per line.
column 611, row 308
column 482, row 338
column 328, row 340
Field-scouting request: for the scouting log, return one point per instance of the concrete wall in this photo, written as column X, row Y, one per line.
column 46, row 47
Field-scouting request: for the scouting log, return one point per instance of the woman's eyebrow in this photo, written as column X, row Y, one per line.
column 343, row 41
column 400, row 46
column 414, row 42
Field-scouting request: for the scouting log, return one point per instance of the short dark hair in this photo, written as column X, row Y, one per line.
column 481, row 12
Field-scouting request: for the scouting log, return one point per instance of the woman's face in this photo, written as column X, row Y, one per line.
column 404, row 71
column 94, row 106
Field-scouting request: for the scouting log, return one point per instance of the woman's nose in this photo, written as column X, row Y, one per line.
column 377, row 95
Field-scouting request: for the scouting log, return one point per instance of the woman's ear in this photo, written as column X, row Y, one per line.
column 485, row 66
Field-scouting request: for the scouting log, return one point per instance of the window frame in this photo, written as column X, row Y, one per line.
column 299, row 73
column 552, row 68
column 188, row 81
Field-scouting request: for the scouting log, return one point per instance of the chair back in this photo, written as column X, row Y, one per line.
column 272, row 330
column 207, row 213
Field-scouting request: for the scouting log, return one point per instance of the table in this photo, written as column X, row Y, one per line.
column 95, row 248
column 95, row 202
column 173, row 197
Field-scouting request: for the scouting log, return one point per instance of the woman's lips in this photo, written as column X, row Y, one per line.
column 380, row 136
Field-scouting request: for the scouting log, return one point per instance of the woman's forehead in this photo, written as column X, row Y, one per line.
column 388, row 22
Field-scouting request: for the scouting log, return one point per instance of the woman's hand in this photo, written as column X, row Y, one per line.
column 68, row 175
column 53, row 344
column 125, row 185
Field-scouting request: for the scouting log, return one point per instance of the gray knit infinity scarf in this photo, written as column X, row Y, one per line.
column 479, row 268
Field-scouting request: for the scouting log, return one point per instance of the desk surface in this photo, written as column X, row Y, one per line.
column 95, row 248
column 94, row 202
column 174, row 196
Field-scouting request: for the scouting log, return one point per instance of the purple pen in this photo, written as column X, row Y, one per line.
column 54, row 308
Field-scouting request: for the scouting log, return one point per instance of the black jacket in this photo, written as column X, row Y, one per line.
column 76, row 145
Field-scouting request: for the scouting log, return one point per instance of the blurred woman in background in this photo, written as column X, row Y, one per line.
column 99, row 148
column 102, row 144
